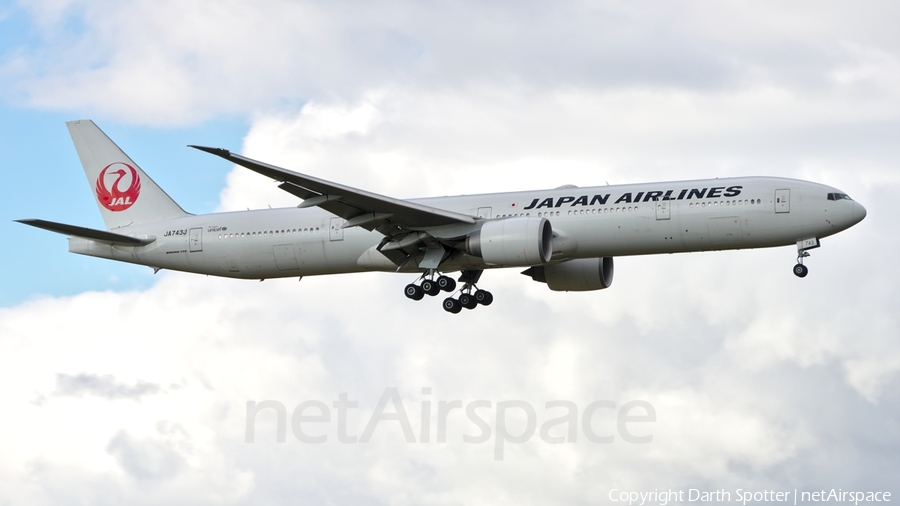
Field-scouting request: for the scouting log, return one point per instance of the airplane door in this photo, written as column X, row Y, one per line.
column 484, row 212
column 196, row 240
column 335, row 232
column 782, row 201
column 662, row 209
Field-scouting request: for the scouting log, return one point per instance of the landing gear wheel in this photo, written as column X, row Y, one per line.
column 800, row 270
column 484, row 297
column 413, row 292
column 467, row 301
column 452, row 305
column 430, row 287
column 446, row 283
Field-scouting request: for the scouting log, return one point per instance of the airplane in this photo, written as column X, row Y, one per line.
column 565, row 237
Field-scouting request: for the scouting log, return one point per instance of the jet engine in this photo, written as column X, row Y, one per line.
column 518, row 241
column 579, row 275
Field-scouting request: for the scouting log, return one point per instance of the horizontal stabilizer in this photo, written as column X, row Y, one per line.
column 88, row 233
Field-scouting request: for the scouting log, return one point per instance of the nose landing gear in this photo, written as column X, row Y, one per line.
column 801, row 270
column 803, row 248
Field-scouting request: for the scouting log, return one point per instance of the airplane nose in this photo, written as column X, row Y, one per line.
column 859, row 212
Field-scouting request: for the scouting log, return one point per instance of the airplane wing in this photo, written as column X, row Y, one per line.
column 88, row 233
column 359, row 207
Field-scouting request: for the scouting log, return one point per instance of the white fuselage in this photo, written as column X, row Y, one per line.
column 604, row 221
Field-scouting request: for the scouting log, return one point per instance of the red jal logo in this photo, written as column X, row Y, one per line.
column 116, row 199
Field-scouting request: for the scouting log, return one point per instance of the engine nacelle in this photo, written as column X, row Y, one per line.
column 579, row 275
column 518, row 241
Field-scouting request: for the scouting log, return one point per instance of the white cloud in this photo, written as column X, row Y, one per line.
column 702, row 337
column 221, row 343
column 758, row 379
column 174, row 63
column 408, row 142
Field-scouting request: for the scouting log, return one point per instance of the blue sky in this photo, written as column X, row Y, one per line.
column 127, row 385
column 42, row 178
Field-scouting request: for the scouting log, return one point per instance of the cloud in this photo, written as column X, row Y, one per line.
column 166, row 63
column 758, row 379
column 406, row 142
column 721, row 417
column 736, row 355
column 102, row 386
column 147, row 459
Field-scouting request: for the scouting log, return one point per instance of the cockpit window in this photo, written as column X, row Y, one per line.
column 838, row 196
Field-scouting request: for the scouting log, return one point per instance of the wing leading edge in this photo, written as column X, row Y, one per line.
column 359, row 207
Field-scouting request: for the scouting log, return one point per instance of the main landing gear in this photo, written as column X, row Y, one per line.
column 430, row 285
column 469, row 295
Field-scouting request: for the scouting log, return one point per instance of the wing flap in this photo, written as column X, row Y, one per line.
column 88, row 233
column 329, row 203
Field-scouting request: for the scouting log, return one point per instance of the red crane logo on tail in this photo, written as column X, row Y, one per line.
column 113, row 197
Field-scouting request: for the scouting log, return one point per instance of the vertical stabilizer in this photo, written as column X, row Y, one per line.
column 124, row 193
